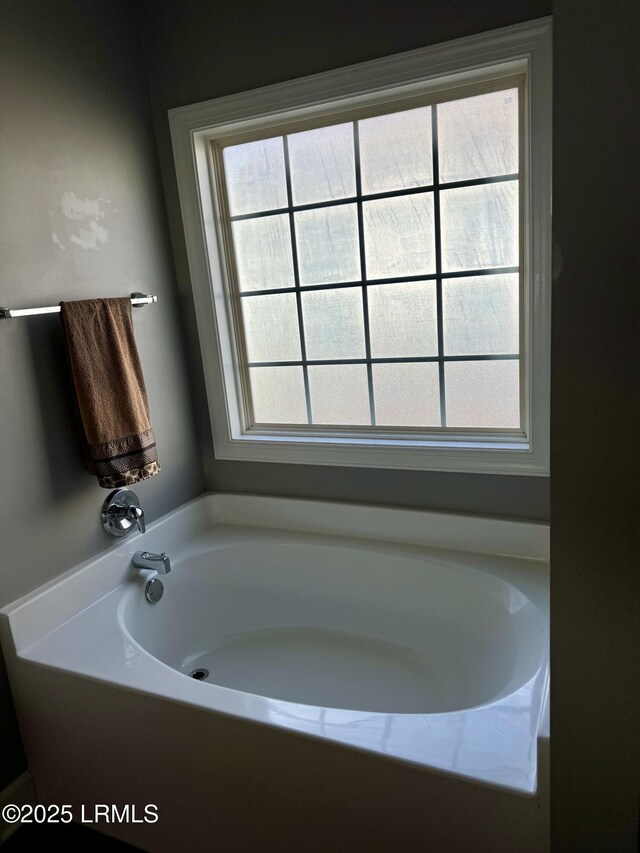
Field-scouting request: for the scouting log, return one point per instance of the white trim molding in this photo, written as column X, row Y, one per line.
column 523, row 49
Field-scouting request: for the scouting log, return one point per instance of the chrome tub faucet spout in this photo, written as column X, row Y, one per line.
column 159, row 563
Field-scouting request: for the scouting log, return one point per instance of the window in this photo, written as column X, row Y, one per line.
column 372, row 261
column 377, row 266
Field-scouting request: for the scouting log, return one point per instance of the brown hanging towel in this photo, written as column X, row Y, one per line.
column 120, row 446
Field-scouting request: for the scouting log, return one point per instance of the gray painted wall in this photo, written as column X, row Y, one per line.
column 75, row 119
column 200, row 50
column 595, row 577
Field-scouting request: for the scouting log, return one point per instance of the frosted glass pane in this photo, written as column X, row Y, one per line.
column 333, row 324
column 278, row 395
column 339, row 394
column 322, row 164
column 263, row 252
column 403, row 319
column 271, row 327
column 255, row 176
column 480, row 315
column 478, row 137
column 482, row 393
column 395, row 151
column 480, row 227
column 328, row 249
column 406, row 394
column 399, row 236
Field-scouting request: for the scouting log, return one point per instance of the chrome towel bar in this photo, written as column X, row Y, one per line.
column 137, row 299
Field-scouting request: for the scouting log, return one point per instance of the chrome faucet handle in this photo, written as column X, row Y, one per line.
column 135, row 515
column 122, row 513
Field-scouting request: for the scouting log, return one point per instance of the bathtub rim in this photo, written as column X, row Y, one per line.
column 43, row 609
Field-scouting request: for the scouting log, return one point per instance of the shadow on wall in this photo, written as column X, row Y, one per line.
column 60, row 424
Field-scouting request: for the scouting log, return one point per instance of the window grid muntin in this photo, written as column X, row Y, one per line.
column 436, row 187
column 391, row 360
column 363, row 273
column 438, row 246
column 374, row 282
column 296, row 278
column 336, row 202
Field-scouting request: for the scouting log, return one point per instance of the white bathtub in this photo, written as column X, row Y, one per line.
column 372, row 676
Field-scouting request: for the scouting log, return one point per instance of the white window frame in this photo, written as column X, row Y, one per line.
column 523, row 49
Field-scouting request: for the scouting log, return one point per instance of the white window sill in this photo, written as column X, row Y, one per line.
column 514, row 456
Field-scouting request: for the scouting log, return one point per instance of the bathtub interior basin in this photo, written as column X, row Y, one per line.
column 343, row 627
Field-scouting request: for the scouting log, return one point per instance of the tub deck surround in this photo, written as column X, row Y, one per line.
column 411, row 650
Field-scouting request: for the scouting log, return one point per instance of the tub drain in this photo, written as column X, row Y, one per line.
column 199, row 674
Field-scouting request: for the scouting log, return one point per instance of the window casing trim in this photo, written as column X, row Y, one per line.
column 472, row 65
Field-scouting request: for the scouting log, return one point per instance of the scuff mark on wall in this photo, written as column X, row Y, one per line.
column 82, row 208
column 91, row 238
column 74, row 209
